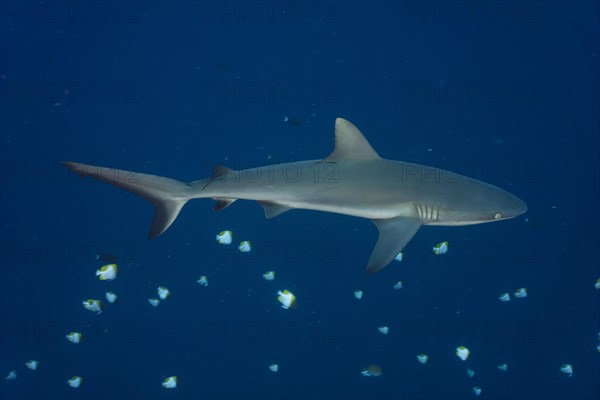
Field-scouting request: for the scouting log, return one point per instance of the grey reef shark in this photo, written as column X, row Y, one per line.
column 399, row 197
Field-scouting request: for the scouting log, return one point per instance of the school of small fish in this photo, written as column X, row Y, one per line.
column 287, row 300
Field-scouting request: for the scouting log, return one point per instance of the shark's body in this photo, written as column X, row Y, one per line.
column 398, row 197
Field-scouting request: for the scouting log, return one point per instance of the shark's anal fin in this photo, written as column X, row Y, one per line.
column 273, row 209
column 394, row 234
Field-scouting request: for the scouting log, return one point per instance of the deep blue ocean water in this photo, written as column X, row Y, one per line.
column 505, row 92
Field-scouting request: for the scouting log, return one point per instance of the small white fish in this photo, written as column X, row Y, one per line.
column 597, row 284
column 521, row 293
column 32, row 364
column 384, row 330
column 287, row 299
column 111, row 297
column 225, row 237
column 372, row 370
column 503, row 367
column 440, row 248
column 163, row 292
column 470, row 372
column 504, row 297
column 567, row 369
column 245, row 246
column 202, row 281
column 107, row 273
column 398, row 285
column 269, row 275
column 476, row 390
column 462, row 352
column 358, row 294
column 75, row 382
column 74, row 337
column 170, row 382
column 12, row 375
column 274, row 367
column 423, row 358
column 93, row 305
column 398, row 257
column 154, row 302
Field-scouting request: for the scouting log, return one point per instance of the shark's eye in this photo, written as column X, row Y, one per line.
column 497, row 215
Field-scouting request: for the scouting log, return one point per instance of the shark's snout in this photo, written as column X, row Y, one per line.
column 516, row 207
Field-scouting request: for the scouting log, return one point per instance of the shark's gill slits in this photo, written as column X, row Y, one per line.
column 427, row 212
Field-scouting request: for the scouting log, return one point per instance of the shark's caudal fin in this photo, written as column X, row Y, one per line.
column 167, row 195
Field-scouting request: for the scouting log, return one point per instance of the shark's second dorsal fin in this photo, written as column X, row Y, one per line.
column 350, row 143
column 219, row 172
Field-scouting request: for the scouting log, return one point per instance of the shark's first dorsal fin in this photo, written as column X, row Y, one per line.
column 350, row 143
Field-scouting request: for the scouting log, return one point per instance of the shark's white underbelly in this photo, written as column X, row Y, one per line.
column 404, row 210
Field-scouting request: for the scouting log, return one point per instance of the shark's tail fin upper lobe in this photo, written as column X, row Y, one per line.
column 167, row 195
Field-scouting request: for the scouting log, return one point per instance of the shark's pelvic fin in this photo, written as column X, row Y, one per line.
column 394, row 234
column 167, row 195
column 222, row 203
column 273, row 209
column 350, row 143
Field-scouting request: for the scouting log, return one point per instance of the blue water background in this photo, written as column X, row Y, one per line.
column 171, row 88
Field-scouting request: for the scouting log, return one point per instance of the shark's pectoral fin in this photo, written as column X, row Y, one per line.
column 394, row 234
column 273, row 209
